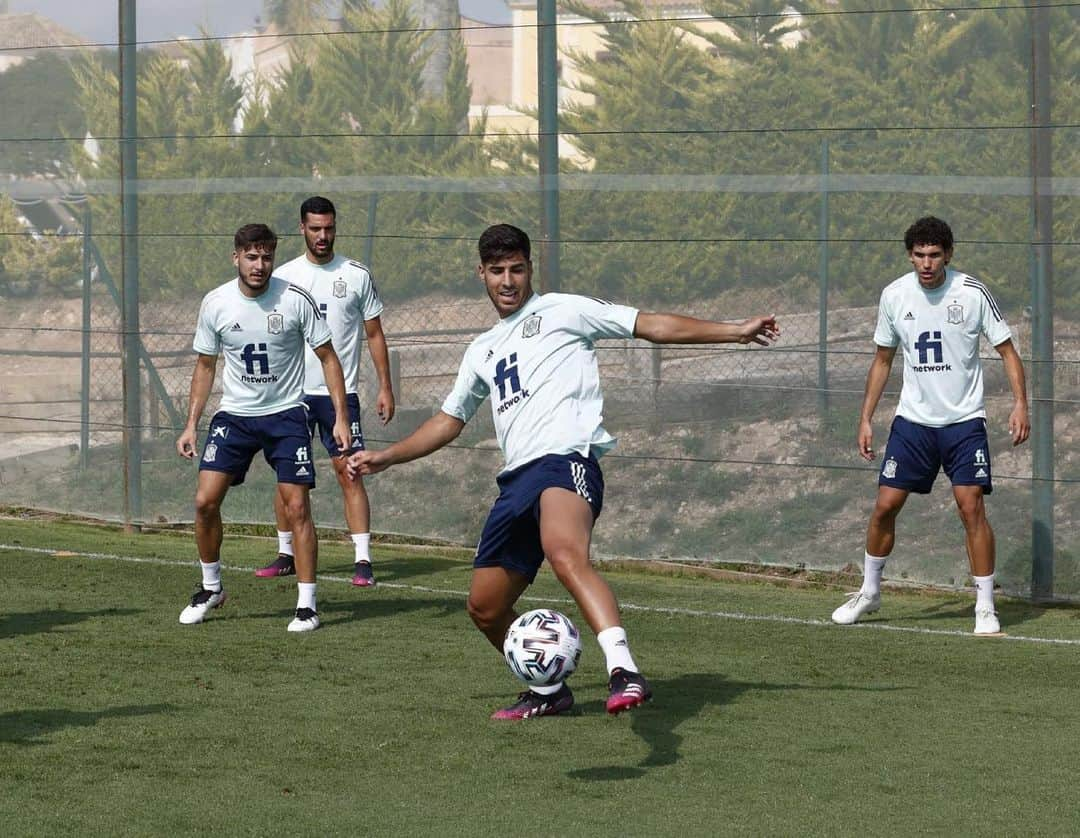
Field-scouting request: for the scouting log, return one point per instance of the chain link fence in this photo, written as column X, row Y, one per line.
column 727, row 454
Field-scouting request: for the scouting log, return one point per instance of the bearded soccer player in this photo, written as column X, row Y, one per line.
column 539, row 366
column 937, row 316
column 260, row 323
column 346, row 295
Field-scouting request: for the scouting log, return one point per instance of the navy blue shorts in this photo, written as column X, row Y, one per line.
column 915, row 454
column 511, row 536
column 283, row 438
column 321, row 416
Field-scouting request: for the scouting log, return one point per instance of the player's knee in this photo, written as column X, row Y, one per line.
column 206, row 505
column 484, row 614
column 972, row 512
column 296, row 510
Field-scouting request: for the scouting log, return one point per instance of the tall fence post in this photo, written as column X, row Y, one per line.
column 1042, row 311
column 823, row 287
column 548, row 93
column 129, row 250
column 369, row 240
column 84, row 392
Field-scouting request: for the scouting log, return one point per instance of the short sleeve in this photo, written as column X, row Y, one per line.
column 885, row 333
column 995, row 328
column 371, row 305
column 207, row 340
column 601, row 319
column 314, row 325
column 470, row 390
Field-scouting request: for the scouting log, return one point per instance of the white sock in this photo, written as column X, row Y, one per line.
column 984, row 591
column 873, row 568
column 549, row 690
column 305, row 595
column 211, row 575
column 361, row 541
column 616, row 649
column 284, row 542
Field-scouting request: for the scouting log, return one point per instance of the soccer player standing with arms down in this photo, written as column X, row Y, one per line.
column 539, row 366
column 936, row 315
column 260, row 323
column 346, row 295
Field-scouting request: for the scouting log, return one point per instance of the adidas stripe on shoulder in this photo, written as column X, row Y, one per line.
column 308, row 297
column 971, row 282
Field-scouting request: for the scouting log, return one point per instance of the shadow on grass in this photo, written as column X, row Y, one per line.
column 366, row 607
column 29, row 727
column 1011, row 613
column 39, row 622
column 396, row 569
column 679, row 699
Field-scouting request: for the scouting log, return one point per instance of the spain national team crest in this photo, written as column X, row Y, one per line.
column 275, row 323
column 531, row 327
column 339, row 288
column 955, row 314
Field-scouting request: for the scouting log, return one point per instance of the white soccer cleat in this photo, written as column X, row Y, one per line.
column 305, row 620
column 986, row 621
column 202, row 603
column 856, row 606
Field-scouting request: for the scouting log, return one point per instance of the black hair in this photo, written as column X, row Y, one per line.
column 316, row 205
column 929, row 230
column 251, row 234
column 501, row 240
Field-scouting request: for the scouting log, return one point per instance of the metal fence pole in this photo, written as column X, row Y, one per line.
column 1042, row 310
column 823, row 286
column 129, row 249
column 369, row 241
column 548, row 92
column 84, row 394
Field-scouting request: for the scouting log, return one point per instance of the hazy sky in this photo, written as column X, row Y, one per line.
column 96, row 20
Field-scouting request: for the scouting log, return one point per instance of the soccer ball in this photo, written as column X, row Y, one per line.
column 542, row 647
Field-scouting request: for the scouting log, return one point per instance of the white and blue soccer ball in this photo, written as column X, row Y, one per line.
column 542, row 647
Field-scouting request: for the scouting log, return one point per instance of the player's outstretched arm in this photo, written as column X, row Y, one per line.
column 1019, row 421
column 380, row 359
column 439, row 430
column 677, row 328
column 876, row 379
column 202, row 379
column 335, row 383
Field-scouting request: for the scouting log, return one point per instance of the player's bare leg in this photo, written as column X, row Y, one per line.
column 979, row 537
column 297, row 506
column 358, row 520
column 211, row 490
column 492, row 594
column 880, row 538
column 566, row 523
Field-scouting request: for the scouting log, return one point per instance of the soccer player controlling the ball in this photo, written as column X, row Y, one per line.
column 538, row 364
column 936, row 315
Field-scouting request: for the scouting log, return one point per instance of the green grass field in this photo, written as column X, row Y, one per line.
column 116, row 720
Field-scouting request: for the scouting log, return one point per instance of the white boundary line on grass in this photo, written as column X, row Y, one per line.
column 651, row 609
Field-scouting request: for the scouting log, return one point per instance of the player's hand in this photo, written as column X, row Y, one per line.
column 760, row 330
column 366, row 462
column 186, row 444
column 341, row 435
column 384, row 405
column 1019, row 424
column 866, row 448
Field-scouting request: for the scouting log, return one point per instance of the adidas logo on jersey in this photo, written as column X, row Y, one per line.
column 236, row 328
column 909, row 316
column 302, row 471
